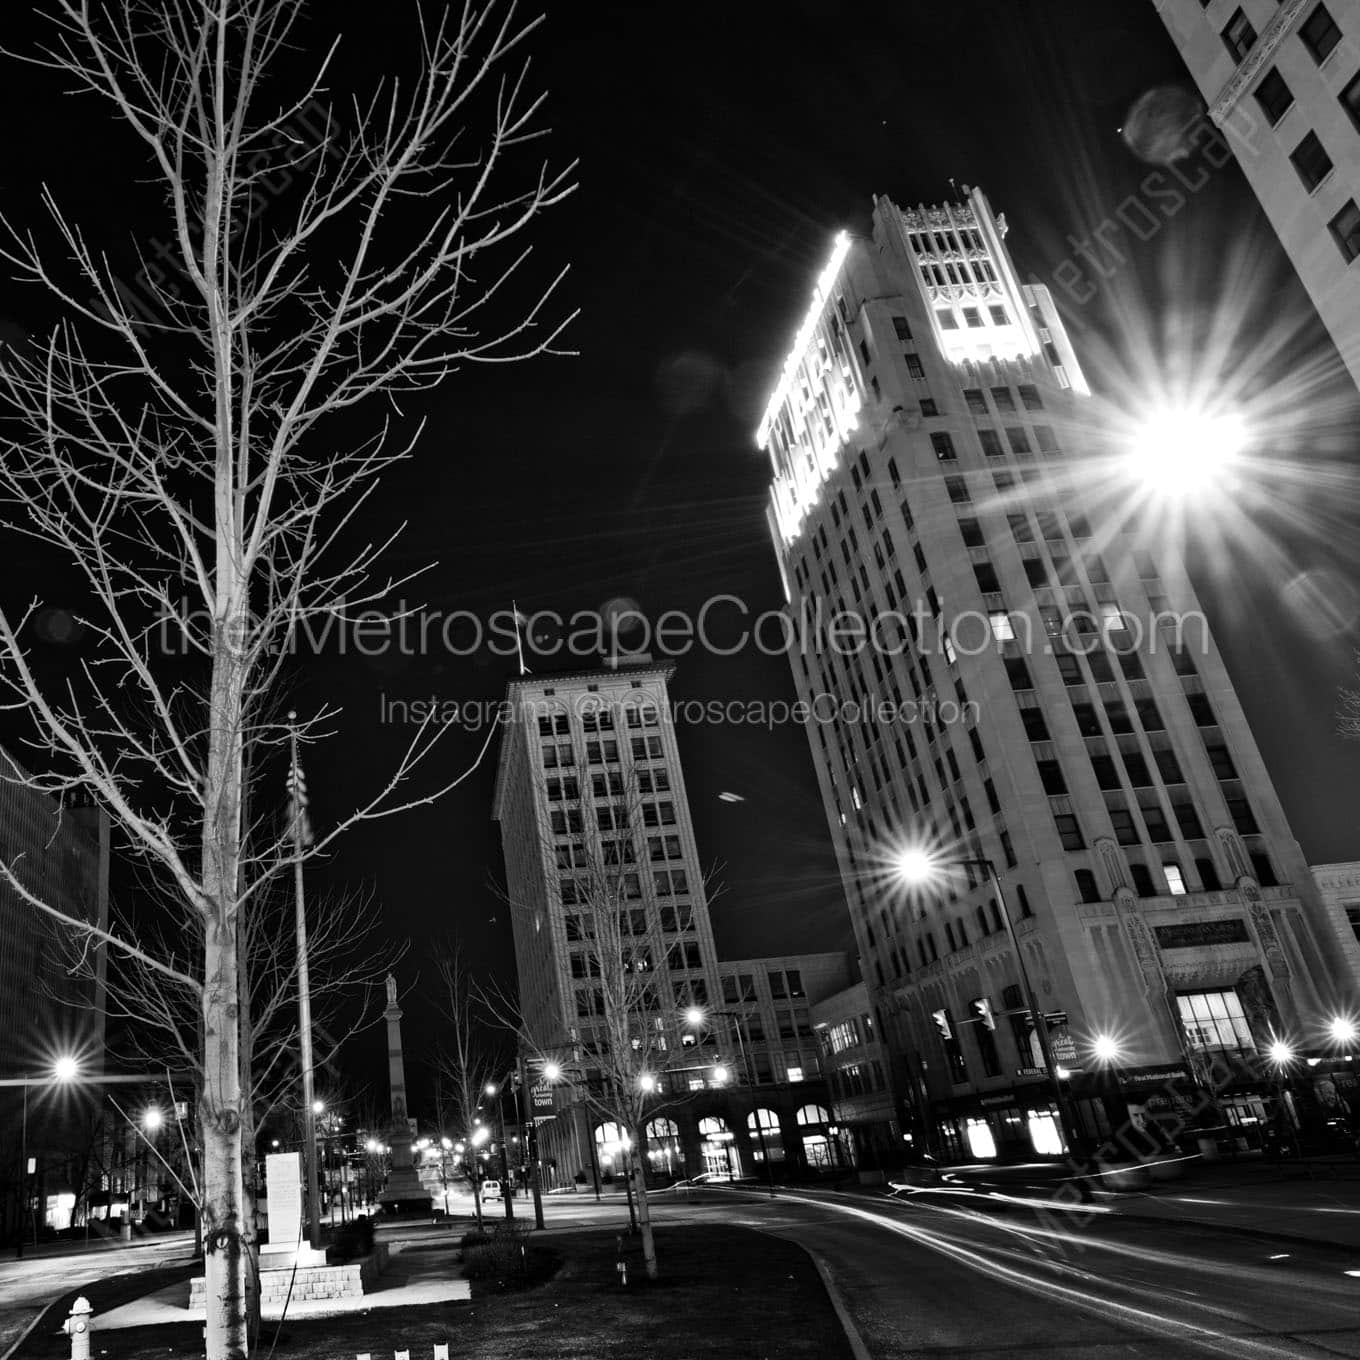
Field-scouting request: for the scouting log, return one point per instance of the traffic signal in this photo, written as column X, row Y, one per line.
column 983, row 1008
column 941, row 1019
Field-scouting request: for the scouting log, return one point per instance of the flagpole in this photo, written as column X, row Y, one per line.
column 519, row 642
column 299, row 814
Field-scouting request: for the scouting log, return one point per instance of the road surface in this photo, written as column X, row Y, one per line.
column 937, row 1277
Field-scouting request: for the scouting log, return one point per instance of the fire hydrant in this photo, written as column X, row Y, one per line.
column 77, row 1327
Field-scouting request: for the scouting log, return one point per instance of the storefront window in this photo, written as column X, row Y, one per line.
column 980, row 1140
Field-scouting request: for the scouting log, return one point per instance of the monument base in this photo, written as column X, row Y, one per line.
column 314, row 1284
column 285, row 1256
column 404, row 1194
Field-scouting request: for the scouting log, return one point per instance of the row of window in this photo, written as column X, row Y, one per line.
column 596, row 716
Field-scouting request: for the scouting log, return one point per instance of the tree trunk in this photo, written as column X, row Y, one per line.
column 644, row 1211
column 224, row 1255
column 250, row 1218
column 224, row 1228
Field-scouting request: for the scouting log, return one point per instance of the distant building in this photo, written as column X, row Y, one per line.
column 995, row 667
column 867, row 1123
column 61, row 855
column 590, row 767
column 1282, row 81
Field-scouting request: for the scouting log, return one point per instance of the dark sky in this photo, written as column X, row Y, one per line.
column 721, row 146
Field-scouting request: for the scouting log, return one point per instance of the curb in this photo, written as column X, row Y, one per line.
column 32, row 1326
column 852, row 1334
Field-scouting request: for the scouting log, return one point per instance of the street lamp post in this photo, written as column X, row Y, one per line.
column 530, row 1134
column 919, row 867
column 696, row 1017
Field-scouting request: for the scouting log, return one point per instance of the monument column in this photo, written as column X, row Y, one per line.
column 404, row 1193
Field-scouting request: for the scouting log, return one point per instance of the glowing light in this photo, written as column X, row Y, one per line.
column 552, row 1071
column 1105, row 1047
column 915, row 865
column 318, row 1107
column 839, row 250
column 152, row 1120
column 694, row 1016
column 446, row 1143
column 480, row 1136
column 647, row 1082
column 491, row 1088
column 1343, row 1029
column 720, row 1073
column 66, row 1068
column 1180, row 453
column 371, row 1145
column 1280, row 1052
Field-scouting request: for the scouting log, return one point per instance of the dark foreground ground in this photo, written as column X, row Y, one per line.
column 726, row 1292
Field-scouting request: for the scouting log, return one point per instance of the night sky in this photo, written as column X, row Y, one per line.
column 721, row 146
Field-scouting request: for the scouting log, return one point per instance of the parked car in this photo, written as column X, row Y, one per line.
column 491, row 1190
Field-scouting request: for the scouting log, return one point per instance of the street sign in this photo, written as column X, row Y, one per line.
column 541, row 1098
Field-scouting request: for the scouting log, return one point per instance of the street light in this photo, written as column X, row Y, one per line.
column 64, row 1070
column 1281, row 1053
column 1105, row 1048
column 152, row 1120
column 695, row 1016
column 318, row 1107
column 1180, row 452
column 1343, row 1030
column 918, row 866
column 647, row 1082
column 552, row 1071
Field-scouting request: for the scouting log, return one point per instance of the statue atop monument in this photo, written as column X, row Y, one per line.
column 404, row 1192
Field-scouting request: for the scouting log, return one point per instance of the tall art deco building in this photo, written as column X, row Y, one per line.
column 1281, row 79
column 1030, row 699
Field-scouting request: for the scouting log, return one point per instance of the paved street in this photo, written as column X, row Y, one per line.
column 28, row 1285
column 952, row 1275
column 939, row 1279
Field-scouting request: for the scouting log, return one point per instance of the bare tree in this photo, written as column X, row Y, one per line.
column 192, row 451
column 465, row 1061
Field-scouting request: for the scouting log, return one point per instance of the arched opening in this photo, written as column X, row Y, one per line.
column 664, row 1158
column 720, row 1158
column 611, row 1144
column 821, row 1146
column 767, row 1139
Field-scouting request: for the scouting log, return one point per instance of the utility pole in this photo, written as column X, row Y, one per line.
column 529, row 1133
column 301, row 837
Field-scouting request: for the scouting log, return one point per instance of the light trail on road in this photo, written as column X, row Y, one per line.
column 1142, row 1280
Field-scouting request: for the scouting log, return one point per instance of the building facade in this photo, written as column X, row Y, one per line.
column 590, row 773
column 48, row 1009
column 994, row 668
column 1282, row 81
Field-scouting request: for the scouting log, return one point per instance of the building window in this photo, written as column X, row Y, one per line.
column 1345, row 229
column 1002, row 629
column 1175, row 880
column 941, row 443
column 1239, row 37
column 1350, row 100
column 915, row 368
column 1002, row 398
column 1019, row 440
column 1311, row 161
column 1018, row 673
column 1125, row 828
column 972, row 316
column 1264, row 869
column 1319, row 34
column 1069, row 831
column 1208, row 875
column 999, row 315
column 1214, row 1020
column 1276, row 98
column 1087, row 887
column 992, row 446
column 972, row 533
column 1353, row 916
column 900, row 328
column 1029, row 395
column 948, row 321
column 958, row 490
column 975, row 398
column 1142, row 881
column 1051, row 776
column 929, row 407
